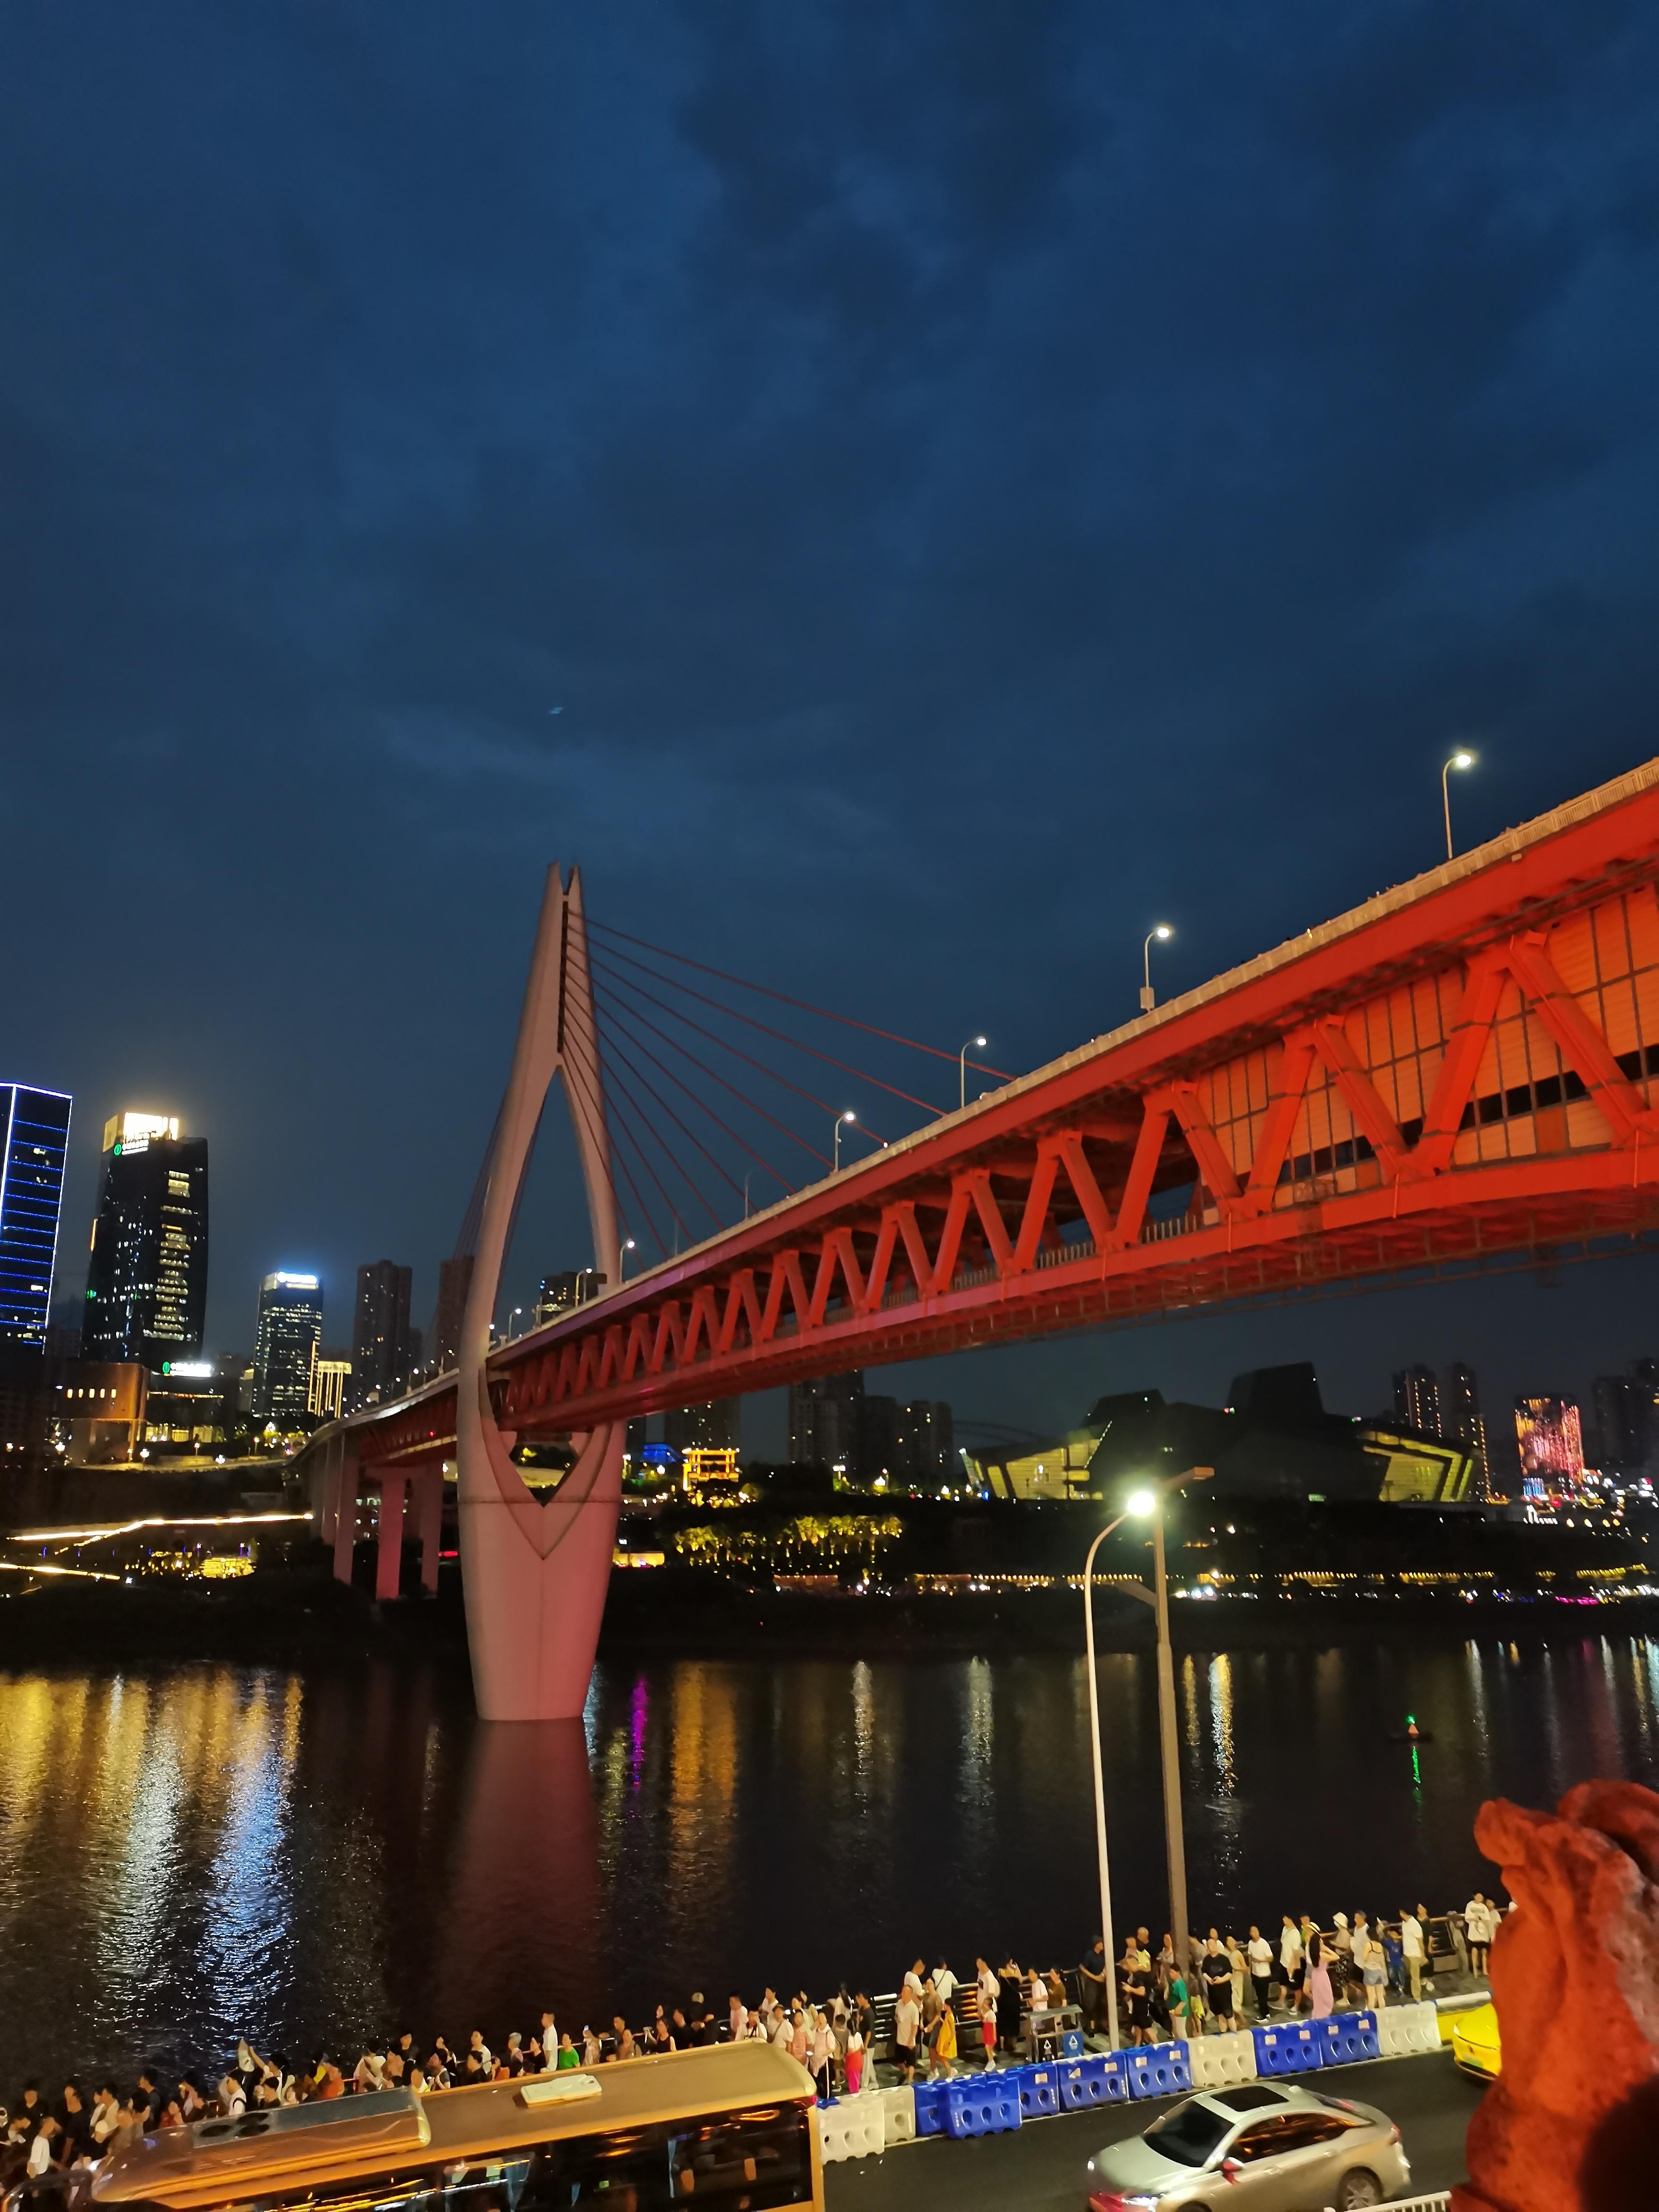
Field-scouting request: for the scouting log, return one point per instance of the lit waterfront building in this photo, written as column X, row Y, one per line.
column 1550, row 1435
column 325, row 1398
column 290, row 1333
column 1417, row 1401
column 147, row 1278
column 36, row 1138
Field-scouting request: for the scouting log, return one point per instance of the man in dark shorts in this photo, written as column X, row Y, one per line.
column 1218, row 1970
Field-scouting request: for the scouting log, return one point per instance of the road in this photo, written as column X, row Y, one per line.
column 1041, row 2168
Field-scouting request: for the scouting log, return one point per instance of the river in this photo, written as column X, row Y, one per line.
column 315, row 1855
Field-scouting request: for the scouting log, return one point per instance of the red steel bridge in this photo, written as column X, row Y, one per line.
column 1461, row 1068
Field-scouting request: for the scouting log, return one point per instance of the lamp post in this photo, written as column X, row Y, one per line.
column 978, row 1044
column 842, row 1120
column 1459, row 760
column 1163, row 932
column 628, row 1246
column 1148, row 1503
column 1106, row 1936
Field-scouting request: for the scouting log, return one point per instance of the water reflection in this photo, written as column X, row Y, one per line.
column 186, row 1852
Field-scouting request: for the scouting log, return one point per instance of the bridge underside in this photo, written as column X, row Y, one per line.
column 1464, row 1068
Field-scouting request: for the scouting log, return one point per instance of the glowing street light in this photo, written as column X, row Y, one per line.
column 1163, row 932
column 1459, row 760
column 978, row 1044
column 842, row 1120
column 1144, row 1503
column 629, row 1245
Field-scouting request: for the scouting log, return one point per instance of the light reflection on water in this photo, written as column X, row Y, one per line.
column 188, row 1852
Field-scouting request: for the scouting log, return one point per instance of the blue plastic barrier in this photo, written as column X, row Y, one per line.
column 1038, row 2090
column 1345, row 2038
column 1292, row 2050
column 1082, row 2083
column 1071, row 2046
column 984, row 2106
column 931, row 2107
column 1158, row 2070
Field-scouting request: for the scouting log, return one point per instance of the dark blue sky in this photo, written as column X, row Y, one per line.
column 976, row 480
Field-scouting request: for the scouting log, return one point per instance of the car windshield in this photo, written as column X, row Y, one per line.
column 1188, row 2134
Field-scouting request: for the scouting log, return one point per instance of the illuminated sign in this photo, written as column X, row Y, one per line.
column 197, row 1369
column 295, row 1282
column 131, row 1132
column 657, row 1455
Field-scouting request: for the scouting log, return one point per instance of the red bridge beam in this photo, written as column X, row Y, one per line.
column 1459, row 1068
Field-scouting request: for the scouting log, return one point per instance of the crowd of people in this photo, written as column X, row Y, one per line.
column 939, row 2024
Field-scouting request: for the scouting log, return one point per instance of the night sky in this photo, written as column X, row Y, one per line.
column 973, row 480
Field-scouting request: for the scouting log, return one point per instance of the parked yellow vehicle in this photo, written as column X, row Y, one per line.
column 1474, row 2043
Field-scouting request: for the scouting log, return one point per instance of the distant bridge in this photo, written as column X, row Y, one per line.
column 1462, row 1068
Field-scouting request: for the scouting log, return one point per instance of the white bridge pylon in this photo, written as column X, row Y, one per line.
column 535, row 1575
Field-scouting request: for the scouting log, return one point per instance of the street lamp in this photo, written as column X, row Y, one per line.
column 1148, row 1504
column 628, row 1246
column 1458, row 760
column 1163, row 932
column 842, row 1120
column 1106, row 1936
column 978, row 1044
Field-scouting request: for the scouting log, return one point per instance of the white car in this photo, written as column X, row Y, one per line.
column 1263, row 2147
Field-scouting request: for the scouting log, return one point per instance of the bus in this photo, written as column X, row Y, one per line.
column 730, row 2127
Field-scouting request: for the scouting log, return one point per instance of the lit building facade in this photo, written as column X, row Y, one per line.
column 147, row 1278
column 1461, row 1421
column 1417, row 1401
column 382, row 1347
column 289, row 1336
column 712, row 1428
column 1550, row 1436
column 325, row 1400
column 826, row 1421
column 35, row 1127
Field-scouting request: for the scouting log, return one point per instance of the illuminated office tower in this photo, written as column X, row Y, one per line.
column 147, row 1279
column 34, row 1125
column 290, row 1336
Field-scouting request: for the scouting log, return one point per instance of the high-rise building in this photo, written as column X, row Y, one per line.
column 330, row 1374
column 713, row 1427
column 927, row 1442
column 290, row 1333
column 147, row 1279
column 382, row 1354
column 35, row 1138
column 1550, row 1436
column 1461, row 1421
column 1417, row 1401
column 1622, row 1417
column 825, row 1415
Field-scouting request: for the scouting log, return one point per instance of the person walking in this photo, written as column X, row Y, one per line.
column 989, row 1988
column 1290, row 1960
column 1317, row 1980
column 906, row 2025
column 1260, row 1954
column 945, row 2044
column 1218, row 1973
column 1479, row 1929
column 1411, row 1948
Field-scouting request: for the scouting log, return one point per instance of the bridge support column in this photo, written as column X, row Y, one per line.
column 427, row 1498
column 346, row 1513
column 535, row 1575
column 389, row 1534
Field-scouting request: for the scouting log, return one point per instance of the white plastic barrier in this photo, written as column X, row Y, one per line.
column 854, row 2127
column 1220, row 2061
column 1403, row 2028
column 899, row 2112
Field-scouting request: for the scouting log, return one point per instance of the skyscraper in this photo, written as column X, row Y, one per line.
column 1417, row 1401
column 1461, row 1421
column 824, row 1414
column 713, row 1427
column 147, row 1280
column 1551, row 1440
column 290, row 1332
column 1623, row 1422
column 381, row 1350
column 35, row 1138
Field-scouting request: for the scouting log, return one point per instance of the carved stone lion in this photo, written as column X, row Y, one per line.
column 1572, row 2124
